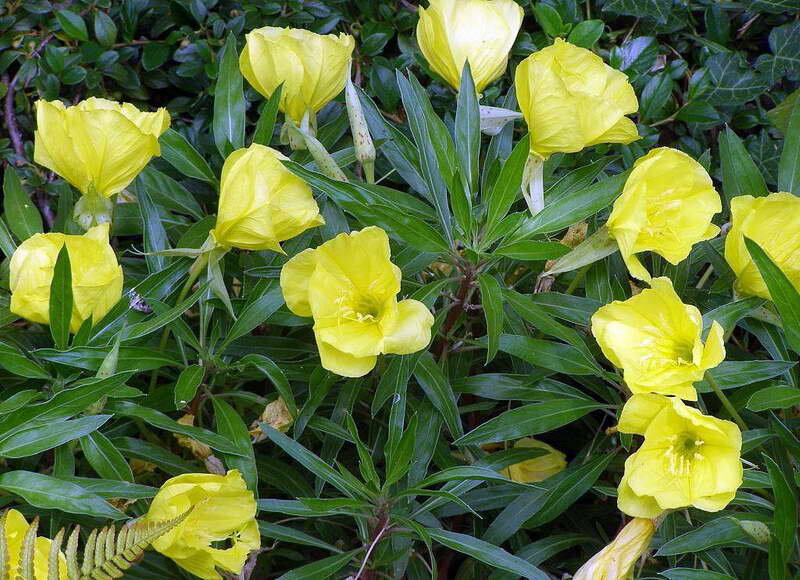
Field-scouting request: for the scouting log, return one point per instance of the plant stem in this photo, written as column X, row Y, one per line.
column 726, row 402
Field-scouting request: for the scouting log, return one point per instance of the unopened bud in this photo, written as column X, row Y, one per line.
column 362, row 141
column 93, row 209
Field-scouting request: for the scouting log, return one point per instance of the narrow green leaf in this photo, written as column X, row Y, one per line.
column 321, row 569
column 507, row 185
column 17, row 363
column 740, row 176
column 781, row 290
column 529, row 250
column 254, row 313
column 186, row 386
column 153, row 232
column 468, row 130
column 229, row 118
column 718, row 532
column 789, row 165
column 105, row 458
column 292, row 536
column 22, row 216
column 273, row 372
column 230, row 425
column 32, row 440
column 528, row 420
column 438, row 390
column 61, row 299
column 775, row 397
column 784, row 523
column 492, row 302
column 266, row 122
column 179, row 153
column 562, row 358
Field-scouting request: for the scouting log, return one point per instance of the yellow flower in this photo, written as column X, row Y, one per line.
column 773, row 222
column 261, row 203
column 687, row 458
column 15, row 529
column 539, row 468
column 482, row 32
column 96, row 275
column 312, row 67
column 656, row 339
column 618, row 559
column 221, row 530
column 99, row 146
column 666, row 207
column 350, row 286
column 571, row 99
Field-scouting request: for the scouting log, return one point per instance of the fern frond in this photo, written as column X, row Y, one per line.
column 53, row 560
column 73, row 572
column 3, row 548
column 25, row 568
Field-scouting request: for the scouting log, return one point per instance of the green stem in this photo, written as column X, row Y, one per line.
column 579, row 276
column 194, row 273
column 726, row 402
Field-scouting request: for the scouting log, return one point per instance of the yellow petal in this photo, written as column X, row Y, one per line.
column 619, row 558
column 343, row 364
column 773, row 222
column 632, row 504
column 539, row 468
column 295, row 277
column 412, row 330
column 639, row 411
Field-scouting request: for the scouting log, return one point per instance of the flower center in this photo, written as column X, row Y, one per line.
column 358, row 308
column 684, row 355
column 683, row 451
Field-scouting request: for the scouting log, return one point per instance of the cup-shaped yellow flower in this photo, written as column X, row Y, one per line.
column 571, row 99
column 261, row 203
column 773, row 222
column 220, row 531
column 15, row 529
column 666, row 207
column 656, row 340
column 617, row 560
column 312, row 67
column 451, row 32
column 96, row 275
column 99, row 146
column 687, row 458
column 349, row 286
column 539, row 468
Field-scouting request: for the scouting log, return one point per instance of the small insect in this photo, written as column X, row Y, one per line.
column 138, row 303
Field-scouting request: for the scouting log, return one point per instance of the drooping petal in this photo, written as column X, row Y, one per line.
column 412, row 328
column 295, row 277
column 343, row 364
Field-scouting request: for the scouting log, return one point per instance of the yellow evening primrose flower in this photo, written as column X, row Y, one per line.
column 261, row 203
column 99, row 146
column 96, row 275
column 15, row 529
column 312, row 67
column 482, row 32
column 617, row 560
column 687, row 458
column 221, row 530
column 656, row 340
column 773, row 222
column 349, row 286
column 539, row 468
column 571, row 99
column 666, row 207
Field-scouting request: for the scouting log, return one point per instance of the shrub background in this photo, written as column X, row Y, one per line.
column 697, row 67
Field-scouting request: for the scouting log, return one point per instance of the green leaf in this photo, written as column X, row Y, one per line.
column 740, row 176
column 785, row 57
column 61, row 299
column 266, row 122
column 784, row 523
column 777, row 397
column 104, row 29
column 586, row 33
column 562, row 358
column 733, row 81
column 781, row 290
column 438, row 390
column 39, row 438
column 728, row 315
column 153, row 233
column 658, row 10
column 231, row 426
column 467, row 130
column 186, row 386
column 146, row 451
column 462, row 473
column 506, row 187
column 292, row 536
column 407, row 228
column 45, row 492
column 492, row 302
column 692, row 574
column 789, row 165
column 549, row 19
column 528, row 420
column 254, row 313
column 320, row 569
column 229, row 115
column 168, row 193
column 346, row 484
column 72, row 24
column 718, row 532
column 22, row 216
column 730, row 374
column 105, row 458
column 530, row 250
column 538, row 317
column 487, row 553
column 17, row 363
column 179, row 153
column 274, row 373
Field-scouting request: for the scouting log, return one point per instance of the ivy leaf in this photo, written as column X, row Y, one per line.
column 657, row 10
column 785, row 57
column 733, row 82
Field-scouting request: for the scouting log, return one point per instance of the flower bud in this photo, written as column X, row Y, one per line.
column 96, row 276
column 571, row 99
column 312, row 67
column 451, row 32
column 98, row 146
column 262, row 203
column 362, row 141
column 617, row 560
